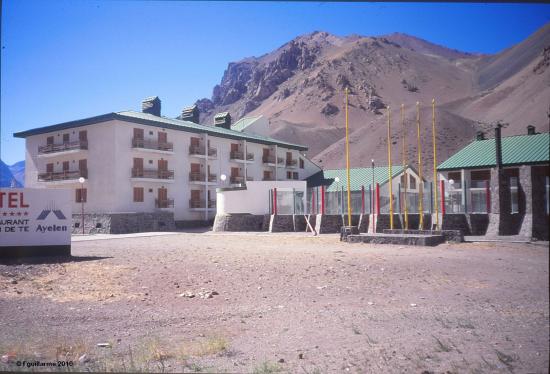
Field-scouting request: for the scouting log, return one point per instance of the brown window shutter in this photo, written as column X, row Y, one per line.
column 83, row 135
column 65, row 165
column 138, row 134
column 77, row 195
column 162, row 137
column 49, row 140
column 49, row 168
column 65, row 138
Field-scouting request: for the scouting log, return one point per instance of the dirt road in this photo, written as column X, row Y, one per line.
column 266, row 303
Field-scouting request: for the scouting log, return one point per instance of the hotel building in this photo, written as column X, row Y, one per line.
column 137, row 163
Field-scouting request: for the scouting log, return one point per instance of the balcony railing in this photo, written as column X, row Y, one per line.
column 236, row 179
column 239, row 155
column 248, row 179
column 62, row 175
column 280, row 160
column 199, row 177
column 197, row 204
column 164, row 203
column 68, row 146
column 270, row 178
column 152, row 144
column 152, row 173
column 199, row 150
column 291, row 163
column 270, row 159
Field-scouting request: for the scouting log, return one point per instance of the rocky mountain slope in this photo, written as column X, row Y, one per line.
column 7, row 177
column 300, row 88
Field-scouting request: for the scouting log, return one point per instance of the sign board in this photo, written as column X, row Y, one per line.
column 35, row 222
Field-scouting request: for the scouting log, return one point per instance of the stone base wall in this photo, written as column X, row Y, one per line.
column 281, row 223
column 328, row 223
column 456, row 222
column 363, row 224
column 453, row 236
column 193, row 224
column 478, row 223
column 123, row 223
column 383, row 222
column 300, row 224
column 240, row 222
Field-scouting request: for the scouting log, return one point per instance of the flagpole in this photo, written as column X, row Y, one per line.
column 389, row 169
column 435, row 167
column 347, row 160
column 420, row 184
column 404, row 167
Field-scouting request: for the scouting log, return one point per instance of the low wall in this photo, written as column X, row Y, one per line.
column 240, row 222
column 123, row 223
column 191, row 224
column 328, row 223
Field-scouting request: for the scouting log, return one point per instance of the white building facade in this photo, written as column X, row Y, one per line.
column 135, row 162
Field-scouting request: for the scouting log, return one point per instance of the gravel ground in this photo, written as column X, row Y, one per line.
column 267, row 303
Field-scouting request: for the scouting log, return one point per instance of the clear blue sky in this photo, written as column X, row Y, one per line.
column 66, row 60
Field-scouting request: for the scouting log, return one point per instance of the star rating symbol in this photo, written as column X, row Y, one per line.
column 5, row 214
column 12, row 214
column 19, row 214
column 26, row 214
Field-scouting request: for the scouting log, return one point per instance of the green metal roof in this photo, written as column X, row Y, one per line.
column 244, row 122
column 516, row 150
column 358, row 177
column 163, row 122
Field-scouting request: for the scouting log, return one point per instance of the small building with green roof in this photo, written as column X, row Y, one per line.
column 507, row 176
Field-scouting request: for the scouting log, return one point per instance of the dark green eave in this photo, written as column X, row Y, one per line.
column 163, row 122
column 358, row 177
column 516, row 150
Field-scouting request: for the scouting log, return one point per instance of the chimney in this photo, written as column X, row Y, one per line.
column 498, row 146
column 151, row 105
column 480, row 135
column 223, row 120
column 531, row 130
column 190, row 114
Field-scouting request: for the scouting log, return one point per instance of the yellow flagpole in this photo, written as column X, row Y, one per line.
column 404, row 167
column 435, row 167
column 420, row 185
column 389, row 169
column 347, row 160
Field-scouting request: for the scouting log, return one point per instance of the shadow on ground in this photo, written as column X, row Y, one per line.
column 50, row 260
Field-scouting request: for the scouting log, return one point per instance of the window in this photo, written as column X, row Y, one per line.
column 457, row 179
column 65, row 138
column 295, row 175
column 301, row 163
column 138, row 194
column 514, row 194
column 81, row 195
column 288, row 175
column 49, row 140
column 412, row 182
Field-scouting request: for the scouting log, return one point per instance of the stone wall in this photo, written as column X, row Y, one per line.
column 239, row 222
column 281, row 223
column 300, row 222
column 123, row 223
column 188, row 224
column 540, row 221
column 478, row 223
column 383, row 222
column 328, row 223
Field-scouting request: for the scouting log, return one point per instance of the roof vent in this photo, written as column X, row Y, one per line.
column 151, row 105
column 531, row 130
column 480, row 135
column 223, row 120
column 190, row 114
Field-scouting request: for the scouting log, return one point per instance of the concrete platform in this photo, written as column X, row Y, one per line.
column 452, row 236
column 400, row 239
